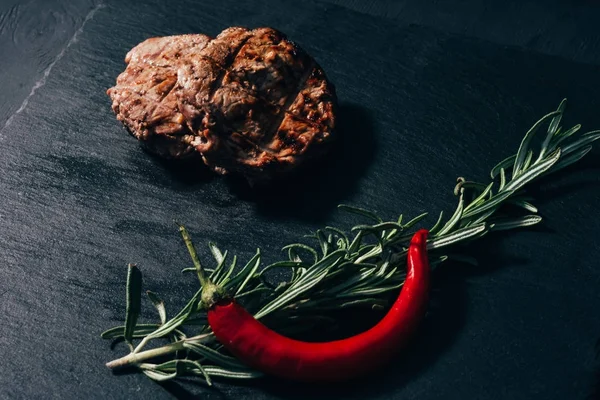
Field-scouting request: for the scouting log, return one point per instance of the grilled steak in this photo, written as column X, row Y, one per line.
column 247, row 101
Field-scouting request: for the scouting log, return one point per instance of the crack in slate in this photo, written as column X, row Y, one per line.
column 48, row 69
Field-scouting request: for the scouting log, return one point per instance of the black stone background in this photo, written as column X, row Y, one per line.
column 429, row 91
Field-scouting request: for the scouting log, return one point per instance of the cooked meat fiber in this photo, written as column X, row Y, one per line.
column 248, row 101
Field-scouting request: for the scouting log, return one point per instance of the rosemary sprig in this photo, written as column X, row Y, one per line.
column 344, row 269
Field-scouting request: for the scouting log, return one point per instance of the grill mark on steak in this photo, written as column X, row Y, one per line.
column 295, row 136
column 237, row 110
column 153, row 115
column 315, row 102
column 246, row 152
column 294, row 144
column 269, row 66
column 226, row 63
column 289, row 101
column 161, row 95
column 196, row 100
column 161, row 103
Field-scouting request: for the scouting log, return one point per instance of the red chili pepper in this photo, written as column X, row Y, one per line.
column 267, row 351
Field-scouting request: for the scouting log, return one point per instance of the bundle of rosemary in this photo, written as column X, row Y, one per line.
column 343, row 269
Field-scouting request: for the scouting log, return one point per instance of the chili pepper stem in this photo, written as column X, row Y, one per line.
column 211, row 293
column 192, row 250
column 136, row 358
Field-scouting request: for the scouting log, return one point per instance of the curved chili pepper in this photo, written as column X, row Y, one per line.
column 267, row 351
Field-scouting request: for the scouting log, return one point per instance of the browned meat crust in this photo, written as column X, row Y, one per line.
column 247, row 101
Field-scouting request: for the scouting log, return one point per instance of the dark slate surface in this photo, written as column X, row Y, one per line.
column 420, row 106
column 34, row 35
column 557, row 27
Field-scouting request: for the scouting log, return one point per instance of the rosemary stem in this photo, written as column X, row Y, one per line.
column 141, row 345
column 136, row 358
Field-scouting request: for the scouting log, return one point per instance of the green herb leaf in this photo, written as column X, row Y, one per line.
column 504, row 164
column 173, row 323
column 527, row 161
column 492, row 203
column 459, row 235
column 134, row 298
column 231, row 373
column 523, row 204
column 159, row 376
column 219, row 257
column 415, row 220
column 356, row 242
column 559, row 138
column 378, row 227
column 360, row 211
column 300, row 246
column 570, row 159
column 583, row 142
column 455, row 217
column 159, row 304
column 512, row 223
column 251, row 269
column 437, row 225
column 323, row 242
column 479, row 198
column 223, row 281
column 552, row 129
column 340, row 233
column 212, row 354
column 140, row 330
column 533, row 172
column 219, row 272
column 502, row 179
column 524, row 148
